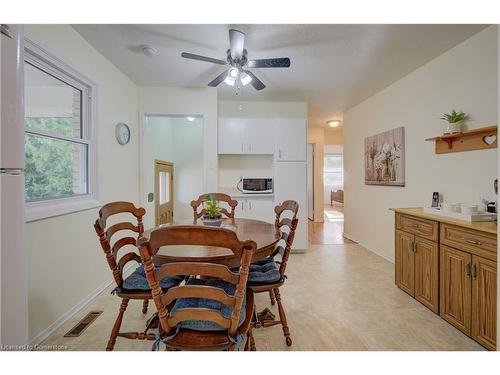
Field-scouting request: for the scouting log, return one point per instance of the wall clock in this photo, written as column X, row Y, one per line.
column 122, row 133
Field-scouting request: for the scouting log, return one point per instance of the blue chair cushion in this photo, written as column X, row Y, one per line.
column 205, row 325
column 263, row 261
column 266, row 273
column 138, row 281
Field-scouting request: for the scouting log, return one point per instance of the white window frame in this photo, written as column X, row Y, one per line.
column 37, row 56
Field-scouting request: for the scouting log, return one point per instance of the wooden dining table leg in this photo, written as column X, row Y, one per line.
column 145, row 306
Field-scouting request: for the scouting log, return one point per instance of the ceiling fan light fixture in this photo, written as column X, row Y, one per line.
column 245, row 78
column 233, row 73
column 333, row 123
column 229, row 81
column 149, row 50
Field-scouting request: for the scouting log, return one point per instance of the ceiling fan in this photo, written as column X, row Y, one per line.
column 237, row 60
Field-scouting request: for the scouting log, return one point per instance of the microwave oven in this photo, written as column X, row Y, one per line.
column 257, row 185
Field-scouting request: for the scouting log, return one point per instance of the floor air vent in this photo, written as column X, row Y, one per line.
column 83, row 324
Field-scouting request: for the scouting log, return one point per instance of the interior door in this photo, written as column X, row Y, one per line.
column 164, row 192
column 455, row 293
column 484, row 302
column 426, row 273
column 405, row 262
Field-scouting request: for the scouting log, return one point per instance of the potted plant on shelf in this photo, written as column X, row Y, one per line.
column 455, row 121
column 212, row 216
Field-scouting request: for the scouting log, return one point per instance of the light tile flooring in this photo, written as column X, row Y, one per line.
column 331, row 231
column 337, row 297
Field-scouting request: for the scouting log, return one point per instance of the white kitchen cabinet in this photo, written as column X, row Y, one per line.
column 257, row 208
column 290, row 139
column 290, row 182
column 230, row 136
column 245, row 136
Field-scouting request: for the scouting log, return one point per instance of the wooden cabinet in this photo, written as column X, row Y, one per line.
column 484, row 306
column 427, row 273
column 452, row 270
column 405, row 262
column 456, row 288
column 417, row 268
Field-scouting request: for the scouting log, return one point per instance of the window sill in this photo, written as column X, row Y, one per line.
column 57, row 207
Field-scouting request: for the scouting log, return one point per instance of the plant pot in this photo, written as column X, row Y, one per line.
column 453, row 127
column 212, row 221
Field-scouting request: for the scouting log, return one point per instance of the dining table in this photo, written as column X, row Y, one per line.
column 265, row 235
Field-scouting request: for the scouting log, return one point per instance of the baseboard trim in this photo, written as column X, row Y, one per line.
column 369, row 248
column 42, row 336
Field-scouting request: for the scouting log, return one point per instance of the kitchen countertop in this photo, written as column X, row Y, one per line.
column 482, row 226
column 235, row 193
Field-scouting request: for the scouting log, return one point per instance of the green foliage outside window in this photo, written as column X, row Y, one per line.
column 49, row 162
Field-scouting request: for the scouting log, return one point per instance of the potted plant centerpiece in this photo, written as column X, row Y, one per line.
column 212, row 216
column 455, row 121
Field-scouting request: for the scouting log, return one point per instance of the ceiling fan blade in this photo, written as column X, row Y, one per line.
column 192, row 56
column 236, row 43
column 255, row 82
column 221, row 77
column 282, row 62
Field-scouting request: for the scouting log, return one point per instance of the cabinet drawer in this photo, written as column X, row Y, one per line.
column 421, row 227
column 478, row 243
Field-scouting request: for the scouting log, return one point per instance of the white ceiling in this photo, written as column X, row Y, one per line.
column 333, row 67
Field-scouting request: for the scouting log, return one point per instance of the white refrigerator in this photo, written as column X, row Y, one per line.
column 13, row 274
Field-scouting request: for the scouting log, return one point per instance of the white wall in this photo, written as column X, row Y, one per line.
column 179, row 141
column 463, row 78
column 181, row 102
column 65, row 261
column 232, row 167
column 316, row 136
column 243, row 109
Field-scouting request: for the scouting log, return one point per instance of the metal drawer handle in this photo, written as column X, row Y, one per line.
column 472, row 242
column 467, row 269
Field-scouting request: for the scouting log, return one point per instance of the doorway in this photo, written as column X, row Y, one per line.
column 310, row 181
column 177, row 140
column 164, row 192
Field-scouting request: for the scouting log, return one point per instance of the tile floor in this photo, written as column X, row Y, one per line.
column 331, row 231
column 337, row 297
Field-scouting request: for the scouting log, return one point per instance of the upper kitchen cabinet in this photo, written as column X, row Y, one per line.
column 246, row 136
column 290, row 139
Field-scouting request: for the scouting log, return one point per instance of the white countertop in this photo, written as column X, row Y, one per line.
column 235, row 193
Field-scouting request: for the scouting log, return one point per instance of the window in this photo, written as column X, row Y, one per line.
column 333, row 170
column 59, row 137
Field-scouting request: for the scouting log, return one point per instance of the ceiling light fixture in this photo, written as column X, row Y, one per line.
column 190, row 118
column 245, row 78
column 149, row 50
column 333, row 123
column 233, row 73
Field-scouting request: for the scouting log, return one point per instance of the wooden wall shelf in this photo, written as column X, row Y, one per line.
column 475, row 139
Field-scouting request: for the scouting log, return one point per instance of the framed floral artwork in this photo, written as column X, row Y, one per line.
column 385, row 158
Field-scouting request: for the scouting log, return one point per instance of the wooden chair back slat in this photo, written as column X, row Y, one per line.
column 202, row 236
column 287, row 237
column 221, row 197
column 199, row 314
column 122, row 242
column 191, row 268
column 119, row 227
column 197, row 291
column 111, row 251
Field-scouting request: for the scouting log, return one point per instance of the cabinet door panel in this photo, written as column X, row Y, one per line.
column 455, row 285
column 484, row 302
column 258, row 136
column 405, row 262
column 291, row 139
column 230, row 136
column 426, row 273
column 260, row 209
